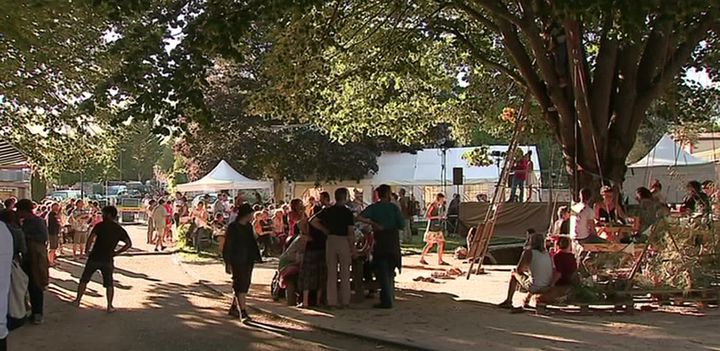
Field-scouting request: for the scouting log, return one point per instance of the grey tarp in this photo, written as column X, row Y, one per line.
column 513, row 220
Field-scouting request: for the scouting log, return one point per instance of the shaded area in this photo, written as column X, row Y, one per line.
column 159, row 308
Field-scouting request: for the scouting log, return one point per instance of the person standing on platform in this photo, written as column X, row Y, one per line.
column 518, row 180
column 387, row 221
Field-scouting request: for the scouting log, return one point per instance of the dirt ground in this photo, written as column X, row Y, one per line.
column 160, row 307
column 457, row 314
column 164, row 305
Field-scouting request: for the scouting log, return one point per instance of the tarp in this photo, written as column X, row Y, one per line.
column 672, row 166
column 9, row 155
column 223, row 177
column 513, row 219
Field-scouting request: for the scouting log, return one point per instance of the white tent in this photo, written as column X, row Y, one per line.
column 672, row 166
column 428, row 169
column 423, row 169
column 223, row 177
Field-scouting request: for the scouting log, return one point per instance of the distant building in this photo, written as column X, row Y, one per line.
column 706, row 147
column 14, row 172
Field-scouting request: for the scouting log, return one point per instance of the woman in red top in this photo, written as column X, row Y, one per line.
column 297, row 221
column 520, row 170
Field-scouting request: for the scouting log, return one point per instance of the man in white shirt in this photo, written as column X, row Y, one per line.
column 582, row 221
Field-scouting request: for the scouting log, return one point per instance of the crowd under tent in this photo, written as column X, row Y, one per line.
column 223, row 177
column 421, row 174
column 669, row 163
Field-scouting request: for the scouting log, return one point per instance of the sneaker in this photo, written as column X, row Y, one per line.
column 37, row 319
column 244, row 317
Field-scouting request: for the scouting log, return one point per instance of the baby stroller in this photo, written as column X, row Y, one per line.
column 284, row 283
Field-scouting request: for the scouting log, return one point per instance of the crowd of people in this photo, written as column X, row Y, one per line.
column 32, row 235
column 334, row 233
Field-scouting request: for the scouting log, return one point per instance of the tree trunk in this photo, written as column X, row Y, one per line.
column 594, row 168
column 278, row 189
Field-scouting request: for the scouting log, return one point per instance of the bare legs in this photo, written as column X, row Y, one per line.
column 428, row 247
column 51, row 257
column 109, row 295
column 159, row 240
column 306, row 298
column 512, row 288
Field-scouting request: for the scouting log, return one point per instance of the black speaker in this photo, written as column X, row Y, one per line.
column 457, row 176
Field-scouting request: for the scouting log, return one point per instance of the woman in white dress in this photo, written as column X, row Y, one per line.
column 532, row 180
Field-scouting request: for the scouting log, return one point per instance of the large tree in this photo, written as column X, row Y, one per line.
column 594, row 69
column 396, row 68
column 261, row 147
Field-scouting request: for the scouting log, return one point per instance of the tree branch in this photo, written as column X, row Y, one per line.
column 499, row 10
column 677, row 60
column 476, row 15
column 656, row 50
column 482, row 57
column 603, row 77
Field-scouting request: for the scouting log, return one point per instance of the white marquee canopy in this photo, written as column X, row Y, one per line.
column 223, row 177
column 672, row 166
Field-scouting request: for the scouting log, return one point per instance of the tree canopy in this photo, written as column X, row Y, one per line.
column 398, row 69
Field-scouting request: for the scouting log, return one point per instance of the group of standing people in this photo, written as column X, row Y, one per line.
column 327, row 231
column 30, row 234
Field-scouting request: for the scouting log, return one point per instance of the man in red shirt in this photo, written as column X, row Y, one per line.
column 520, row 170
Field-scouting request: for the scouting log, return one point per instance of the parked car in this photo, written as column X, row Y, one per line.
column 62, row 195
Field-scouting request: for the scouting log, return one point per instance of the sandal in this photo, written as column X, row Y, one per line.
column 422, row 261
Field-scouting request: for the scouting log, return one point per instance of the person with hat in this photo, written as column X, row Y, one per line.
column 240, row 253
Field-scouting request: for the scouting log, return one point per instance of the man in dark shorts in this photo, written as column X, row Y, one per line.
column 106, row 236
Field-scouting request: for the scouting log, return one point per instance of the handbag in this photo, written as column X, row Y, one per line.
column 18, row 290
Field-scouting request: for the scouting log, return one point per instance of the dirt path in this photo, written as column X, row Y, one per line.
column 159, row 308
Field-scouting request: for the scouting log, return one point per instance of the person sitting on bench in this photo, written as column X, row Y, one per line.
column 565, row 263
column 533, row 273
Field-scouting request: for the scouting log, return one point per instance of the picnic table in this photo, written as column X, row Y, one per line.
column 614, row 232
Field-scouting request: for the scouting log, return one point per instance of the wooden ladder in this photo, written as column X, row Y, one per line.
column 485, row 230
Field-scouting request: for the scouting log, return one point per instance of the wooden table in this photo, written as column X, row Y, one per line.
column 614, row 233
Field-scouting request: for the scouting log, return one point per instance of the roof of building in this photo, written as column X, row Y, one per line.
column 9, row 155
